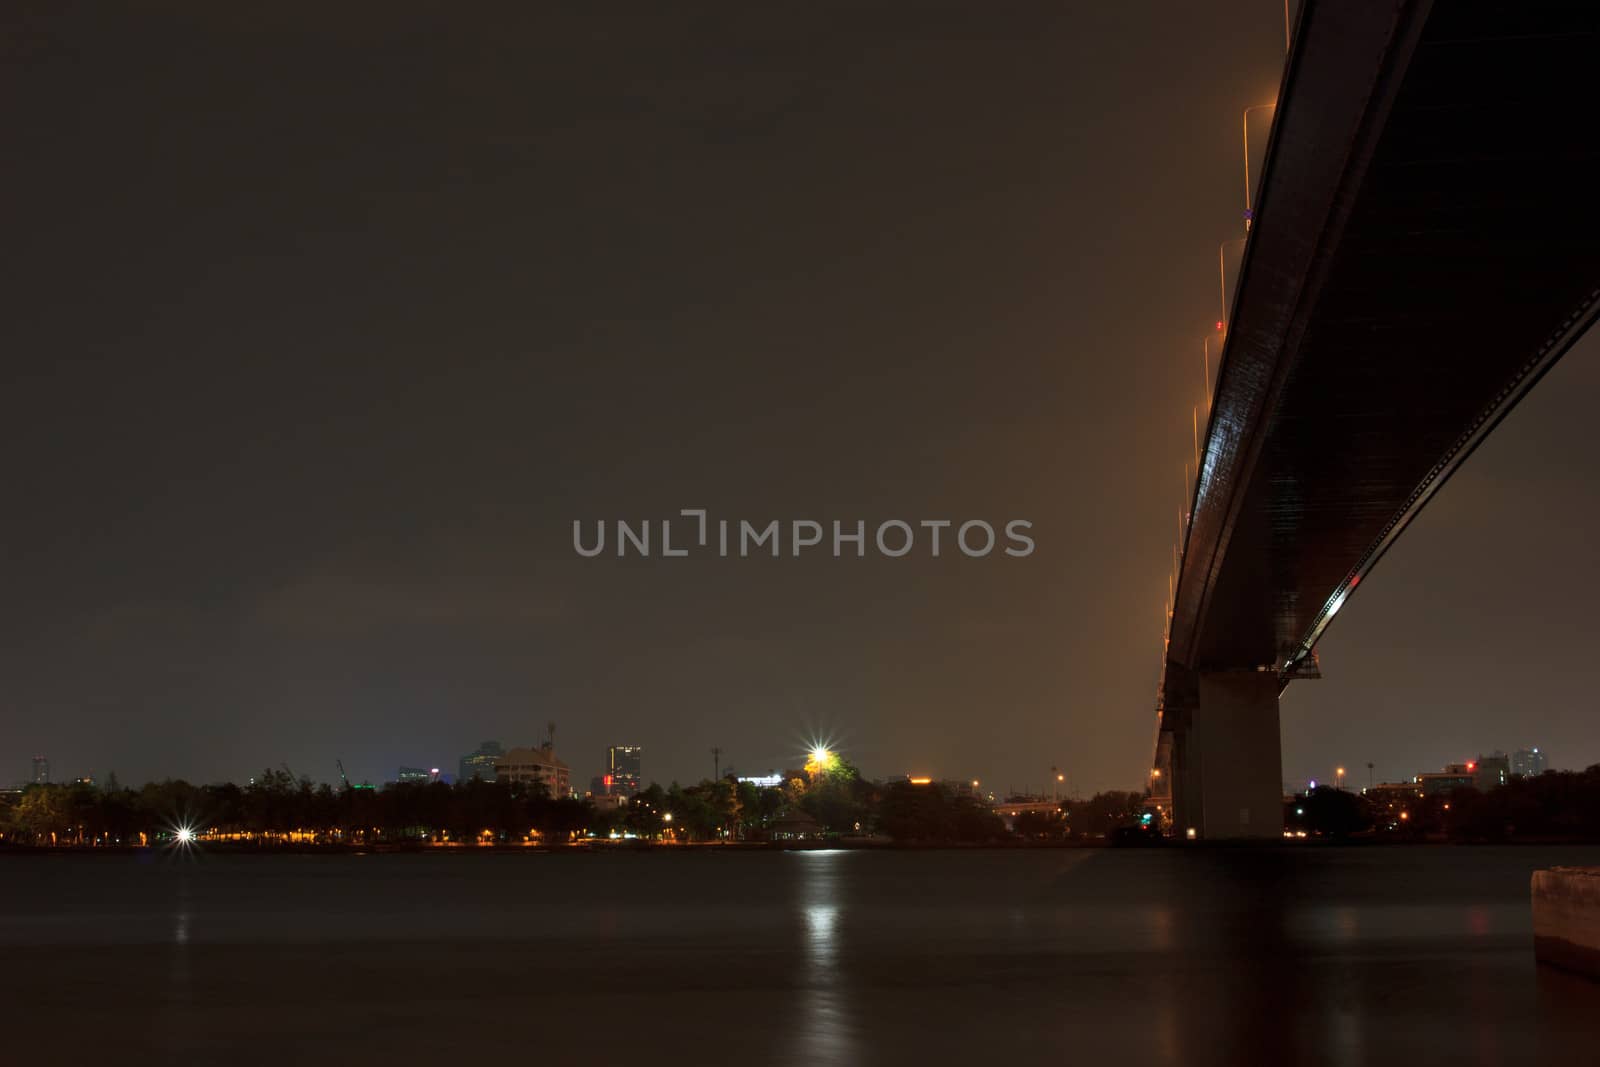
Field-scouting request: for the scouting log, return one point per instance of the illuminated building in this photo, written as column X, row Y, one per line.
column 1455, row 776
column 623, row 768
column 1528, row 762
column 1493, row 769
column 41, row 771
column 1392, row 802
column 414, row 775
column 796, row 825
column 535, row 766
column 480, row 762
column 956, row 787
column 1394, row 794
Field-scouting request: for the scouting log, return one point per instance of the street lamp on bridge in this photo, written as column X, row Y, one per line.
column 1248, row 191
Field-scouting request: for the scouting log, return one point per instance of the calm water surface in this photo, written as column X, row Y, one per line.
column 1292, row 956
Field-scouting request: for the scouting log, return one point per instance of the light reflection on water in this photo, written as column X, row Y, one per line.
column 826, row 1032
column 1299, row 956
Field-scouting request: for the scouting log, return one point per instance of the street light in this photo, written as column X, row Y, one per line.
column 1338, row 777
column 1248, row 217
column 820, row 759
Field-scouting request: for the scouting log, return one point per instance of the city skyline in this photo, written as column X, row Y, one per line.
column 1529, row 760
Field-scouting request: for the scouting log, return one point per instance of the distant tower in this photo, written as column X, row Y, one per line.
column 623, row 769
column 551, row 743
column 480, row 763
column 1528, row 762
column 41, row 771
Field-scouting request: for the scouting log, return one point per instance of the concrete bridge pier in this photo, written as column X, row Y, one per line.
column 1226, row 755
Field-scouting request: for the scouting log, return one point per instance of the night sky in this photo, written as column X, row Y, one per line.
column 324, row 322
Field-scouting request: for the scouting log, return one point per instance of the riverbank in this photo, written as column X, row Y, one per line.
column 239, row 848
column 232, row 848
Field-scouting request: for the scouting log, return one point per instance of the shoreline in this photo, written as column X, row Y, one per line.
column 595, row 847
column 577, row 848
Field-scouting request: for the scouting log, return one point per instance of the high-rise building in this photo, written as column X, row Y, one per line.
column 41, row 771
column 1492, row 770
column 1528, row 762
column 415, row 775
column 535, row 766
column 480, row 763
column 622, row 769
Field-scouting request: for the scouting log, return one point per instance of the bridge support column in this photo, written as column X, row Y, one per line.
column 1227, row 759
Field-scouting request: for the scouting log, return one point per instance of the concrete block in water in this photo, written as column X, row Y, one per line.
column 1566, row 918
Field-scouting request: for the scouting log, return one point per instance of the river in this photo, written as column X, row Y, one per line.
column 1294, row 955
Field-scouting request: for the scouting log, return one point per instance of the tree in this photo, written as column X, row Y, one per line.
column 928, row 813
column 1041, row 825
column 838, row 797
column 645, row 811
column 42, row 816
column 1328, row 812
column 1102, row 814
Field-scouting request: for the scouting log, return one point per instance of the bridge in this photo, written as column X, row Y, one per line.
column 1425, row 246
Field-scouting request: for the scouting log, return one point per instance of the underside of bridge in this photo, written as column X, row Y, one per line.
column 1426, row 246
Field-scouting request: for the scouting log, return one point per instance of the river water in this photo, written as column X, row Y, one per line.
column 1280, row 956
